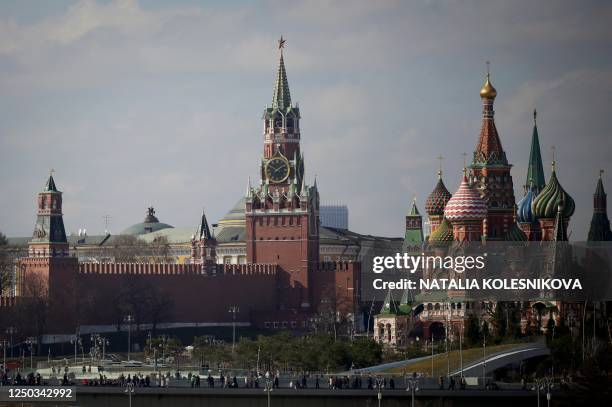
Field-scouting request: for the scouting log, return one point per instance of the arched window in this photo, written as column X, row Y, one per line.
column 278, row 121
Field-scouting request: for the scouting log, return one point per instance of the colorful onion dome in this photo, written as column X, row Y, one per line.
column 488, row 91
column 515, row 234
column 466, row 204
column 443, row 233
column 524, row 213
column 436, row 201
column 545, row 205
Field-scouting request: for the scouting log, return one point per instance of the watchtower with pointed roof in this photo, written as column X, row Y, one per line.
column 48, row 269
column 413, row 238
column 600, row 224
column 282, row 213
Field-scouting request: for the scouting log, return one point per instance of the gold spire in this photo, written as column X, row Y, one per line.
column 488, row 91
column 554, row 163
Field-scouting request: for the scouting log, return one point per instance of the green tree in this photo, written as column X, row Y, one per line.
column 472, row 331
column 365, row 352
column 500, row 321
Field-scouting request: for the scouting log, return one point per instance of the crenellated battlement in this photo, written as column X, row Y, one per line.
column 336, row 266
column 172, row 269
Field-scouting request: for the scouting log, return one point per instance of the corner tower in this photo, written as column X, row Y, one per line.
column 282, row 213
column 48, row 269
column 49, row 237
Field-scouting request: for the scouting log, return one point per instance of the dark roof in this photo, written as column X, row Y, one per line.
column 50, row 185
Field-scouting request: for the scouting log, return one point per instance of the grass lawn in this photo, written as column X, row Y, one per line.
column 440, row 360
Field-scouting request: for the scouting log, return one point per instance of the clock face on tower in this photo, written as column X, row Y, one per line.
column 277, row 169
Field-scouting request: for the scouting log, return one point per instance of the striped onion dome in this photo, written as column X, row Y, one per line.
column 436, row 201
column 524, row 212
column 443, row 233
column 466, row 204
column 546, row 204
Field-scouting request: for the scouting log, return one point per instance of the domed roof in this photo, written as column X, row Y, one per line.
column 436, row 201
column 546, row 204
column 150, row 224
column 524, row 212
column 443, row 233
column 236, row 215
column 488, row 91
column 466, row 204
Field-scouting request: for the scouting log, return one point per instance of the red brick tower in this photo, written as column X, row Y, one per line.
column 282, row 214
column 490, row 171
column 48, row 269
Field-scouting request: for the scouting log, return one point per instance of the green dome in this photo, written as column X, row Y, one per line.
column 149, row 225
column 515, row 234
column 443, row 233
column 546, row 204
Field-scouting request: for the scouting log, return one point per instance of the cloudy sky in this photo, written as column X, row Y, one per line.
column 151, row 102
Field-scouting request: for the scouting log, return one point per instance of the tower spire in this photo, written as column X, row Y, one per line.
column 535, row 170
column 489, row 149
column 282, row 98
column 600, row 223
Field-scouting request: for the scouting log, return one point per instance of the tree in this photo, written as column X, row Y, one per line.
column 125, row 249
column 472, row 331
column 159, row 250
column 500, row 321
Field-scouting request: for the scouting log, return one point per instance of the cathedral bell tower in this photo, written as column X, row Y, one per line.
column 490, row 170
column 282, row 213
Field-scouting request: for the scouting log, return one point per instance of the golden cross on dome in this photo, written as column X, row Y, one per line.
column 281, row 43
column 488, row 68
column 51, row 172
column 535, row 116
column 440, row 158
column 552, row 149
column 601, row 171
column 464, row 164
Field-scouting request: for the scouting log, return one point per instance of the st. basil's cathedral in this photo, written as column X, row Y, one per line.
column 483, row 209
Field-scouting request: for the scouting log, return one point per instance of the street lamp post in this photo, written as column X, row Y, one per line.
column 4, row 342
column 379, row 387
column 461, row 348
column 76, row 340
column 544, row 383
column 432, row 354
column 129, row 390
column 129, row 320
column 484, row 358
column 269, row 385
column 233, row 310
column 11, row 330
column 412, row 384
column 30, row 342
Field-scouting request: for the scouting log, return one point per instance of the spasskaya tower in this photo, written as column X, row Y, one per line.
column 282, row 213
